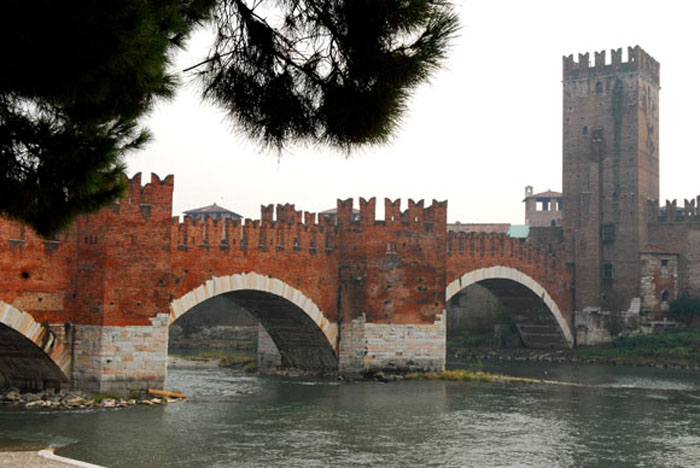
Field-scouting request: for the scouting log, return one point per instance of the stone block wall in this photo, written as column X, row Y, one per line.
column 595, row 326
column 368, row 347
column 113, row 359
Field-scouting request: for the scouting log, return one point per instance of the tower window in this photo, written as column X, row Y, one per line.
column 585, row 130
column 607, row 232
column 599, row 88
column 607, row 271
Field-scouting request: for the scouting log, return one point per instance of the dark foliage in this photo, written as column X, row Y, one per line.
column 685, row 308
column 76, row 78
column 337, row 72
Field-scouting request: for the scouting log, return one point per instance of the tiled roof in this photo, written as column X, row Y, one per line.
column 547, row 194
column 334, row 211
column 654, row 249
column 211, row 209
column 499, row 228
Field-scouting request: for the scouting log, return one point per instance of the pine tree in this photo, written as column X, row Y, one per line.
column 335, row 72
column 79, row 75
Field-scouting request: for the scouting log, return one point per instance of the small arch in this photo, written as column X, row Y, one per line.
column 599, row 88
column 496, row 273
column 665, row 295
column 18, row 328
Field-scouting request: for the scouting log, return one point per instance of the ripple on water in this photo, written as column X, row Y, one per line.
column 236, row 420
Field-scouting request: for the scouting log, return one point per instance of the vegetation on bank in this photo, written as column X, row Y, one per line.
column 678, row 349
column 461, row 375
column 678, row 344
column 465, row 339
column 243, row 362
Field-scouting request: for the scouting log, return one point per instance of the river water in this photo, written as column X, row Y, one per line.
column 618, row 417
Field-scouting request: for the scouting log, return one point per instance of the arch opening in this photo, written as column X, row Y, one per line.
column 537, row 317
column 25, row 365
column 296, row 327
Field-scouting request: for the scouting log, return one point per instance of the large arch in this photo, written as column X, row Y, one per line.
column 536, row 314
column 305, row 338
column 31, row 357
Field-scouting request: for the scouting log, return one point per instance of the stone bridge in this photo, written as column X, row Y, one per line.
column 91, row 307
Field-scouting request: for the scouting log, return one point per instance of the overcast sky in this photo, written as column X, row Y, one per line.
column 486, row 126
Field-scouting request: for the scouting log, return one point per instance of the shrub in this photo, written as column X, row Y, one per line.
column 685, row 308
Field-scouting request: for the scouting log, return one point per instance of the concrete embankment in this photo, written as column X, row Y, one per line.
column 40, row 459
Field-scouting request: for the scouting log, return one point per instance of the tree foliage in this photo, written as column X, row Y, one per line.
column 79, row 75
column 685, row 308
column 323, row 71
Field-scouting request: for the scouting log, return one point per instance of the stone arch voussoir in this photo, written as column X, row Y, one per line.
column 256, row 282
column 39, row 335
column 503, row 272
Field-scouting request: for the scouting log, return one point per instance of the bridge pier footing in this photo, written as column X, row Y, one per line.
column 371, row 347
column 120, row 359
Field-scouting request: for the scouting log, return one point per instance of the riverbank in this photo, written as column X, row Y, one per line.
column 72, row 400
column 40, row 459
column 675, row 350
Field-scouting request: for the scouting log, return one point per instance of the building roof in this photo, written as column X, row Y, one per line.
column 212, row 209
column 334, row 211
column 547, row 194
column 655, row 249
column 518, row 231
column 499, row 228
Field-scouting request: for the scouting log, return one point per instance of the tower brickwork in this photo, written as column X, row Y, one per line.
column 610, row 170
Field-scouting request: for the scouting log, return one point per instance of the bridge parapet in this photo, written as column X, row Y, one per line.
column 508, row 250
column 467, row 252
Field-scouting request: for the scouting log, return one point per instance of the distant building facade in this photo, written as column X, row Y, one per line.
column 543, row 209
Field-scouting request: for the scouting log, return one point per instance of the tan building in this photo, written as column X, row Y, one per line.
column 542, row 209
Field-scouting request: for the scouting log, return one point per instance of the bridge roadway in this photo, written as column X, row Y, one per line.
column 91, row 308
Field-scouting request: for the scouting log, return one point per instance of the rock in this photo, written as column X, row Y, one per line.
column 147, row 402
column 12, row 396
column 35, row 404
column 131, row 402
column 75, row 401
column 109, row 403
column 156, row 401
column 31, row 396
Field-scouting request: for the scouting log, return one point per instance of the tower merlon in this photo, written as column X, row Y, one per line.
column 638, row 60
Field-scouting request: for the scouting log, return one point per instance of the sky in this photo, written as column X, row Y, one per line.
column 486, row 125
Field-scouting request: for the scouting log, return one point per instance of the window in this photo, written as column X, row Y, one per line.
column 607, row 232
column 665, row 296
column 664, row 262
column 607, row 271
column 585, row 130
column 599, row 88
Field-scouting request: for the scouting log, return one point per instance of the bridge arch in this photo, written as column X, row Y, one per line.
column 537, row 316
column 305, row 338
column 31, row 356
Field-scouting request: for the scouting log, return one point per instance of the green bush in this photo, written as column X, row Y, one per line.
column 685, row 308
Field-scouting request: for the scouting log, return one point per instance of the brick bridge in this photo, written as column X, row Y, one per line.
column 92, row 307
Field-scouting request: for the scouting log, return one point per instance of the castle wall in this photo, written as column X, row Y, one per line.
column 683, row 239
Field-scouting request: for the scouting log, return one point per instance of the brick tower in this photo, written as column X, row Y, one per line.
column 610, row 170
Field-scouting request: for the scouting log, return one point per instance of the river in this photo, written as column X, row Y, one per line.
column 619, row 417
